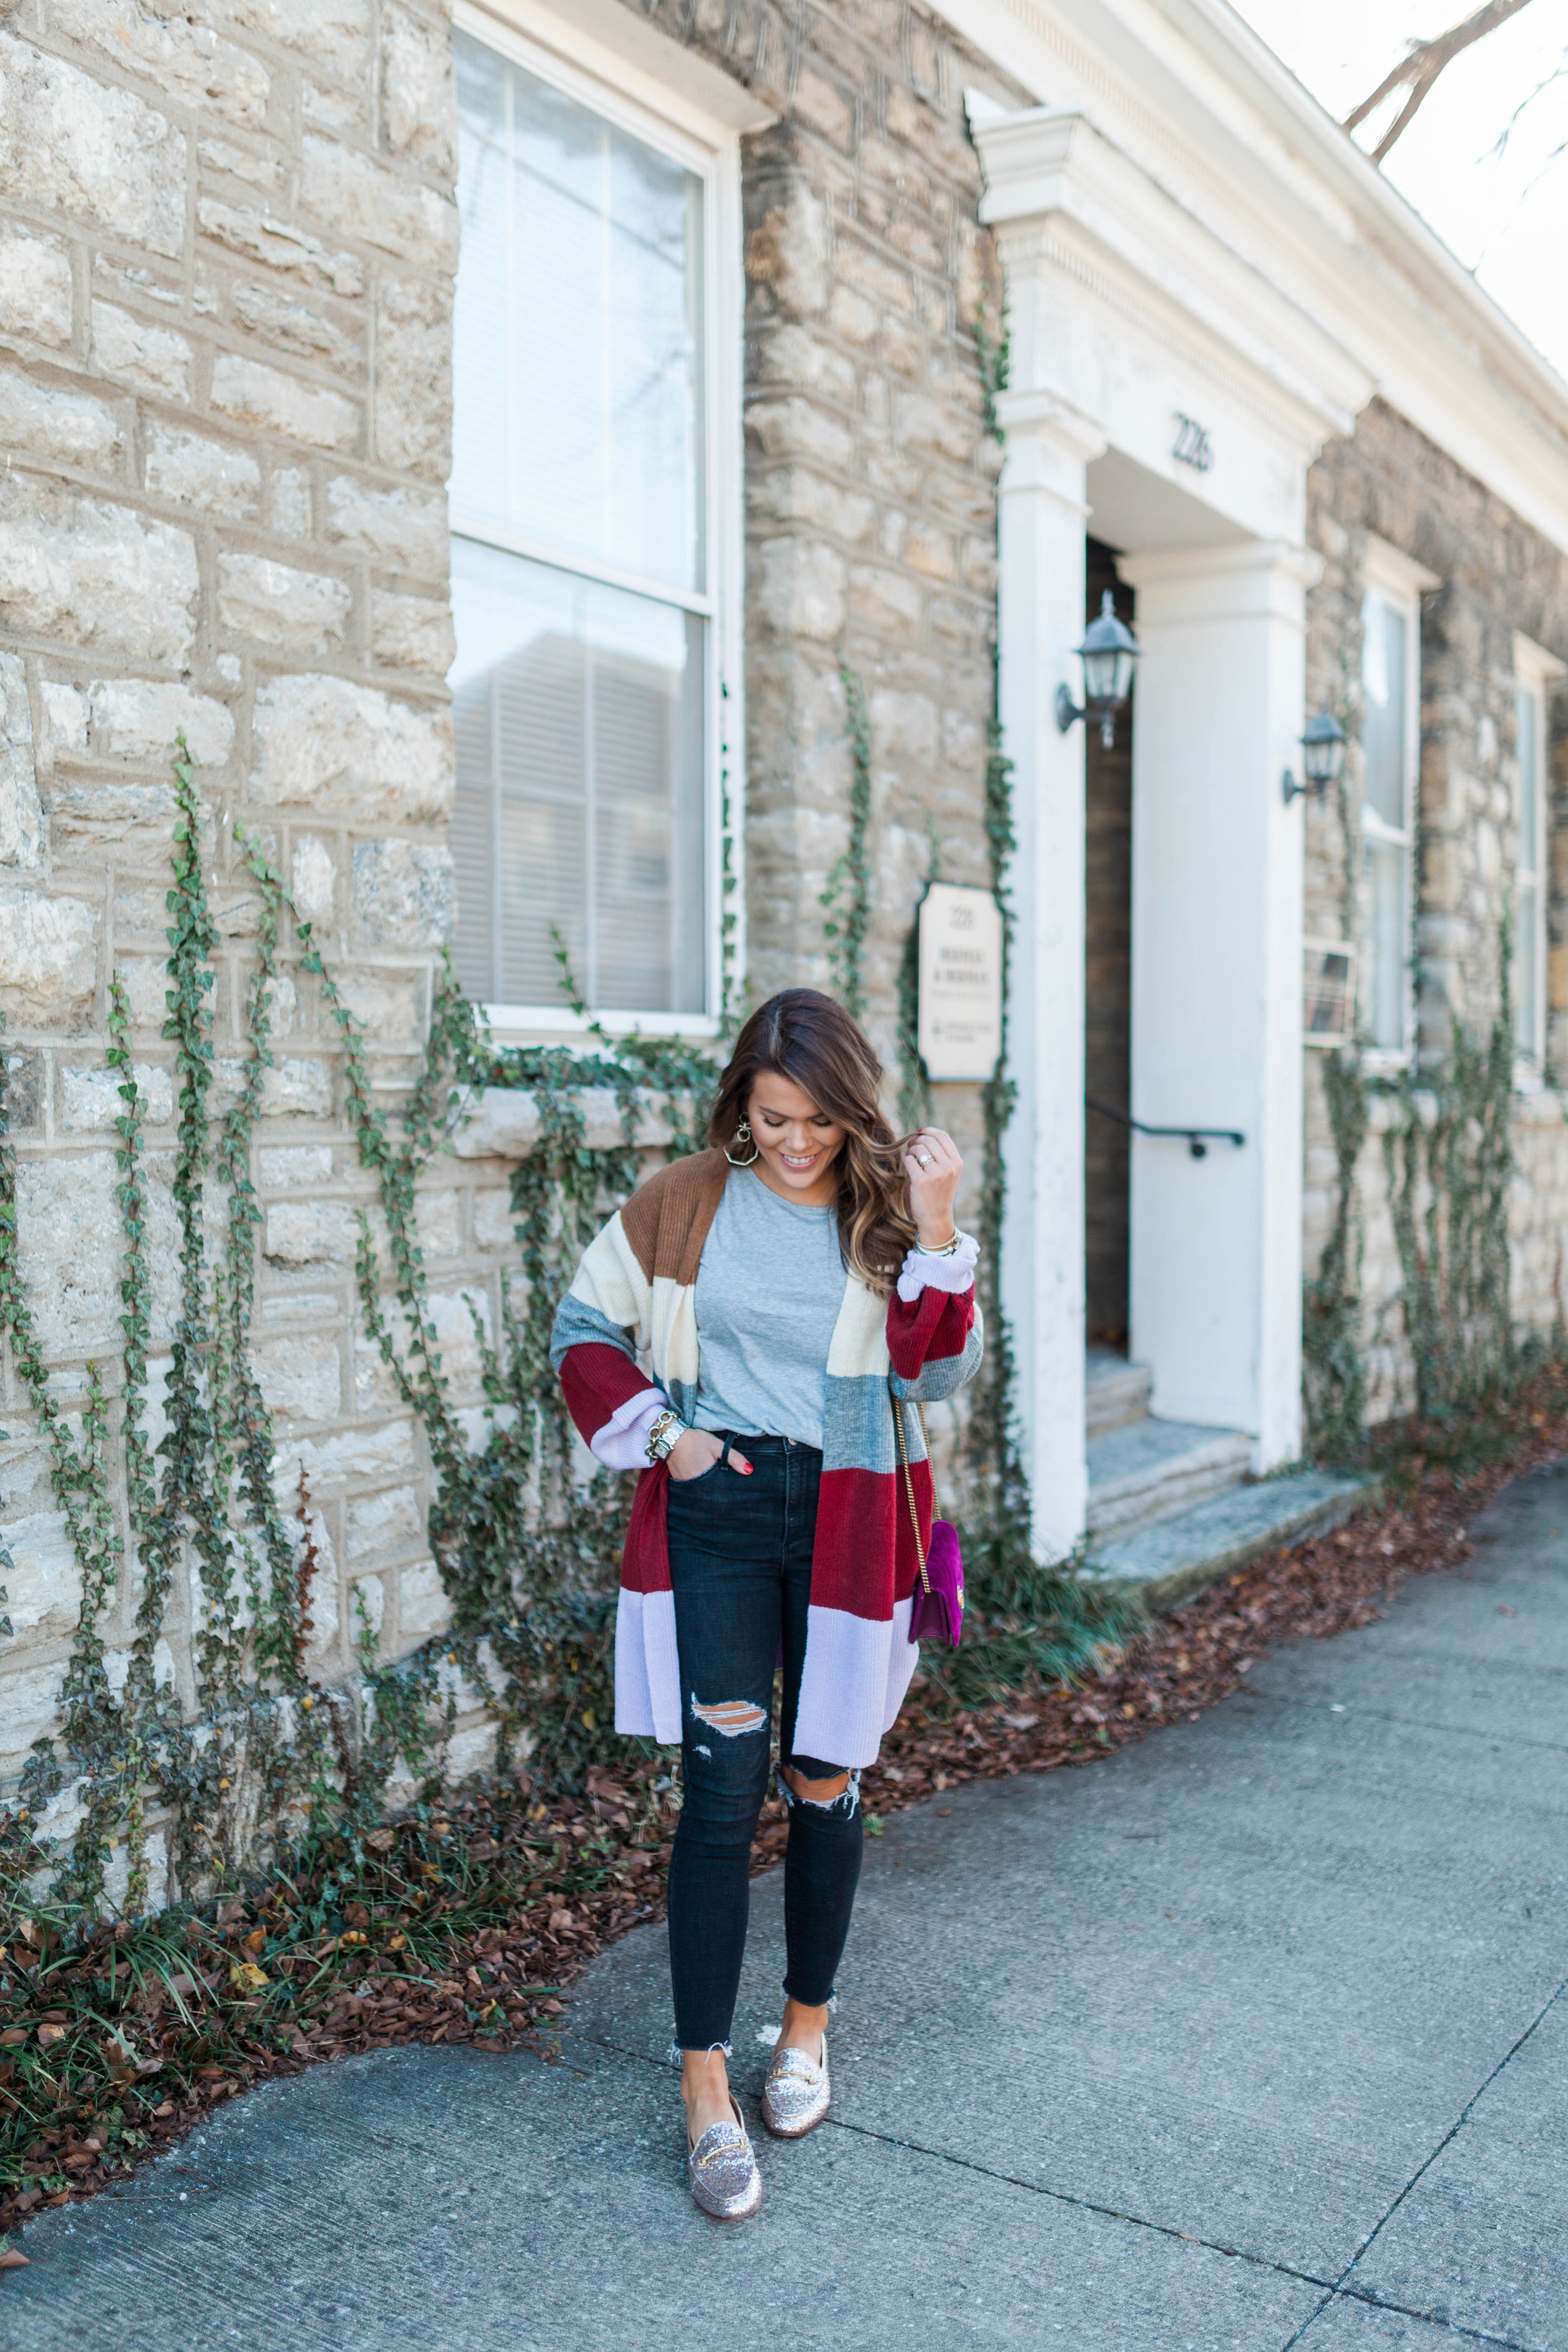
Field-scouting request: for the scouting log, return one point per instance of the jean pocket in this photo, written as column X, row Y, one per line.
column 683, row 1485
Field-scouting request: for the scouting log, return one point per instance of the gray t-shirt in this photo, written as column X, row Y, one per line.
column 770, row 1282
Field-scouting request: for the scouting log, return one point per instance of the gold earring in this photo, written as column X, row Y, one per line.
column 743, row 1134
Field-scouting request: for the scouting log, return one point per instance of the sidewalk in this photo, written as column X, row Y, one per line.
column 1252, row 2036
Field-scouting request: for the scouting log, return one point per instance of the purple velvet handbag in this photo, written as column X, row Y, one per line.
column 938, row 1612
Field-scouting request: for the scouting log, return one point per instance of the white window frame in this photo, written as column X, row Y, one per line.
column 1535, row 673
column 1398, row 580
column 667, row 117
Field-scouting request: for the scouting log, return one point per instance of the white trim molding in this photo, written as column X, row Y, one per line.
column 1273, row 193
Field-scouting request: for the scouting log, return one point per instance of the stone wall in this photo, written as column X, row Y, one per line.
column 1496, row 576
column 869, row 475
column 227, row 238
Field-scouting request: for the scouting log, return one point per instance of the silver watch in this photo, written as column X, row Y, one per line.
column 664, row 1431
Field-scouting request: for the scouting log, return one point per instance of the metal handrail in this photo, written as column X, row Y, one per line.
column 1197, row 1138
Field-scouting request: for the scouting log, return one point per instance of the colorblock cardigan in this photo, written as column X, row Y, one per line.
column 625, row 1347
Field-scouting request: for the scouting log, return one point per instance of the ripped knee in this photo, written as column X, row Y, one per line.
column 732, row 1718
column 838, row 1794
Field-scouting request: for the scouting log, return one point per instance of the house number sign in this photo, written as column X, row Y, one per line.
column 960, row 1026
column 1192, row 446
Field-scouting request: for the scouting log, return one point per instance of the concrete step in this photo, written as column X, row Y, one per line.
column 1152, row 1468
column 1179, row 1556
column 1116, row 1393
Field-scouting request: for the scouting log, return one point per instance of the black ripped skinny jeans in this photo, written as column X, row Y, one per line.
column 740, row 1561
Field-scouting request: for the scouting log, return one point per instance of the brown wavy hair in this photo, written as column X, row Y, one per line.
column 807, row 1037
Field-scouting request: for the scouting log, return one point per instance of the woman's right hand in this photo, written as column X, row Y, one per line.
column 698, row 1450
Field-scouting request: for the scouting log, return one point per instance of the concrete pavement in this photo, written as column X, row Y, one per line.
column 1254, row 2036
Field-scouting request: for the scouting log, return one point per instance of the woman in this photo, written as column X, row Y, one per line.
column 748, row 1326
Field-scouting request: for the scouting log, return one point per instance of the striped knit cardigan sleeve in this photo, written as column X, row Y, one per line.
column 625, row 1345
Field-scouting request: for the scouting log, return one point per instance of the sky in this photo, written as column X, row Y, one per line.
column 1502, row 210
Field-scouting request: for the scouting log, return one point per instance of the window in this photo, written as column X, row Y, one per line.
column 1534, row 672
column 589, row 532
column 1390, row 743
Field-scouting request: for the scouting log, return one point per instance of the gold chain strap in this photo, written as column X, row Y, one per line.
column 909, row 1483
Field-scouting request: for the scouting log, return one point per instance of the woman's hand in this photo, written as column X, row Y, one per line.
column 933, row 1167
column 696, row 1450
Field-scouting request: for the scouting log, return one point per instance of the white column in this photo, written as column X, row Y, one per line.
column 1216, row 986
column 1043, row 509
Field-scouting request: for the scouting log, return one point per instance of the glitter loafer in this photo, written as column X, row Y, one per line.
column 722, row 2168
column 796, row 2096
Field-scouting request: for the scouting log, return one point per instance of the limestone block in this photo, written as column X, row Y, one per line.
column 304, row 612
column 89, row 150
column 789, row 250
column 903, row 728
column 800, row 588
column 153, row 358
column 402, row 527
column 185, row 58
column 21, row 811
column 29, row 1710
column 278, row 243
column 423, row 1608
column 439, row 1223
column 795, row 496
column 300, row 1377
column 260, row 168
column 404, row 895
column 384, row 1522
column 35, row 286
column 380, row 1452
column 313, row 879
column 495, row 1220
column 257, row 394
column 294, row 1088
column 455, row 1342
column 310, row 1232
column 54, row 423
column 471, row 1750
column 146, row 980
column 419, row 102
column 88, row 1101
column 282, row 318
column 200, row 472
column 801, row 428
column 64, row 731
column 388, row 1007
column 355, row 196
column 295, row 1163
column 290, row 502
column 330, row 35
column 343, row 113
column 68, row 1238
column 139, row 718
column 48, row 960
column 23, row 1473
column 352, row 752
column 413, row 377
column 43, row 1583
column 85, row 572
column 411, row 632
column 884, row 600
column 502, row 1122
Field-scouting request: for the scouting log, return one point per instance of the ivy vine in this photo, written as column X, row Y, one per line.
column 846, row 900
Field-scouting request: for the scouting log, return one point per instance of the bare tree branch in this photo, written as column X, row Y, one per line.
column 1425, row 61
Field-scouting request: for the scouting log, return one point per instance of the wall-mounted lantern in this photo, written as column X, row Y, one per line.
column 1108, row 652
column 1323, row 756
